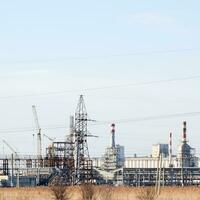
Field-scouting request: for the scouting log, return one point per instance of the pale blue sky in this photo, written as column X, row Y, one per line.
column 48, row 46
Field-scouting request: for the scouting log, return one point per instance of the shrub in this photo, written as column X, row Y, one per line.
column 106, row 193
column 147, row 194
column 87, row 192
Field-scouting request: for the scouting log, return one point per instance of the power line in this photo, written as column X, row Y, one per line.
column 150, row 118
column 105, row 87
column 119, row 121
column 151, row 52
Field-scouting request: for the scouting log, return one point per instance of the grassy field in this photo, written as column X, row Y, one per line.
column 101, row 193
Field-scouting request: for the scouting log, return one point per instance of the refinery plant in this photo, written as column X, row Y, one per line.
column 68, row 162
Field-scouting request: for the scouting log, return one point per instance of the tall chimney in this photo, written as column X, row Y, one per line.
column 71, row 128
column 184, row 139
column 170, row 149
column 113, row 135
column 71, row 125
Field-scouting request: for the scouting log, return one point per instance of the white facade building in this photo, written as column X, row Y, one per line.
column 160, row 149
column 147, row 162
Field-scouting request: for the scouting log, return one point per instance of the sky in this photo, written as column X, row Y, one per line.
column 53, row 51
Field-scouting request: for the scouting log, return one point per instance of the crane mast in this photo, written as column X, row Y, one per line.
column 39, row 139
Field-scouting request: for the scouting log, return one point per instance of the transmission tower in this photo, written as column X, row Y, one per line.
column 83, row 164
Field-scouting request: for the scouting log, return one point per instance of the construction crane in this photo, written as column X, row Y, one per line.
column 11, row 148
column 39, row 139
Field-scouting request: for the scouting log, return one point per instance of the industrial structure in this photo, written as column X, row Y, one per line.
column 114, row 155
column 68, row 162
column 65, row 162
column 161, row 166
column 83, row 164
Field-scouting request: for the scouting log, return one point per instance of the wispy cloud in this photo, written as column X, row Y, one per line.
column 150, row 18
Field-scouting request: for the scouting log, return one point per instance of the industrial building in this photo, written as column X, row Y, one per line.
column 68, row 162
column 114, row 155
column 179, row 169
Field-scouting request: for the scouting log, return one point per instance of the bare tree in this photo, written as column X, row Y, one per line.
column 147, row 194
column 87, row 192
column 60, row 191
column 105, row 193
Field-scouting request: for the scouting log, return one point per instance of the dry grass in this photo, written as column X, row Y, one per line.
column 38, row 193
column 101, row 193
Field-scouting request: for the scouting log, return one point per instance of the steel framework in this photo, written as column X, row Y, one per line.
column 83, row 164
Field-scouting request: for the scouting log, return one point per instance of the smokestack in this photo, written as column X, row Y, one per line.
column 71, row 125
column 113, row 135
column 184, row 139
column 71, row 128
column 170, row 149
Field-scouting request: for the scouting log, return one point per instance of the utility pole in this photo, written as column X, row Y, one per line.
column 17, row 184
column 158, row 175
column 12, row 170
column 163, row 175
column 14, row 155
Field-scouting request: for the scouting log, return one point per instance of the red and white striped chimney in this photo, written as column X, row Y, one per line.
column 184, row 139
column 113, row 135
column 170, row 149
